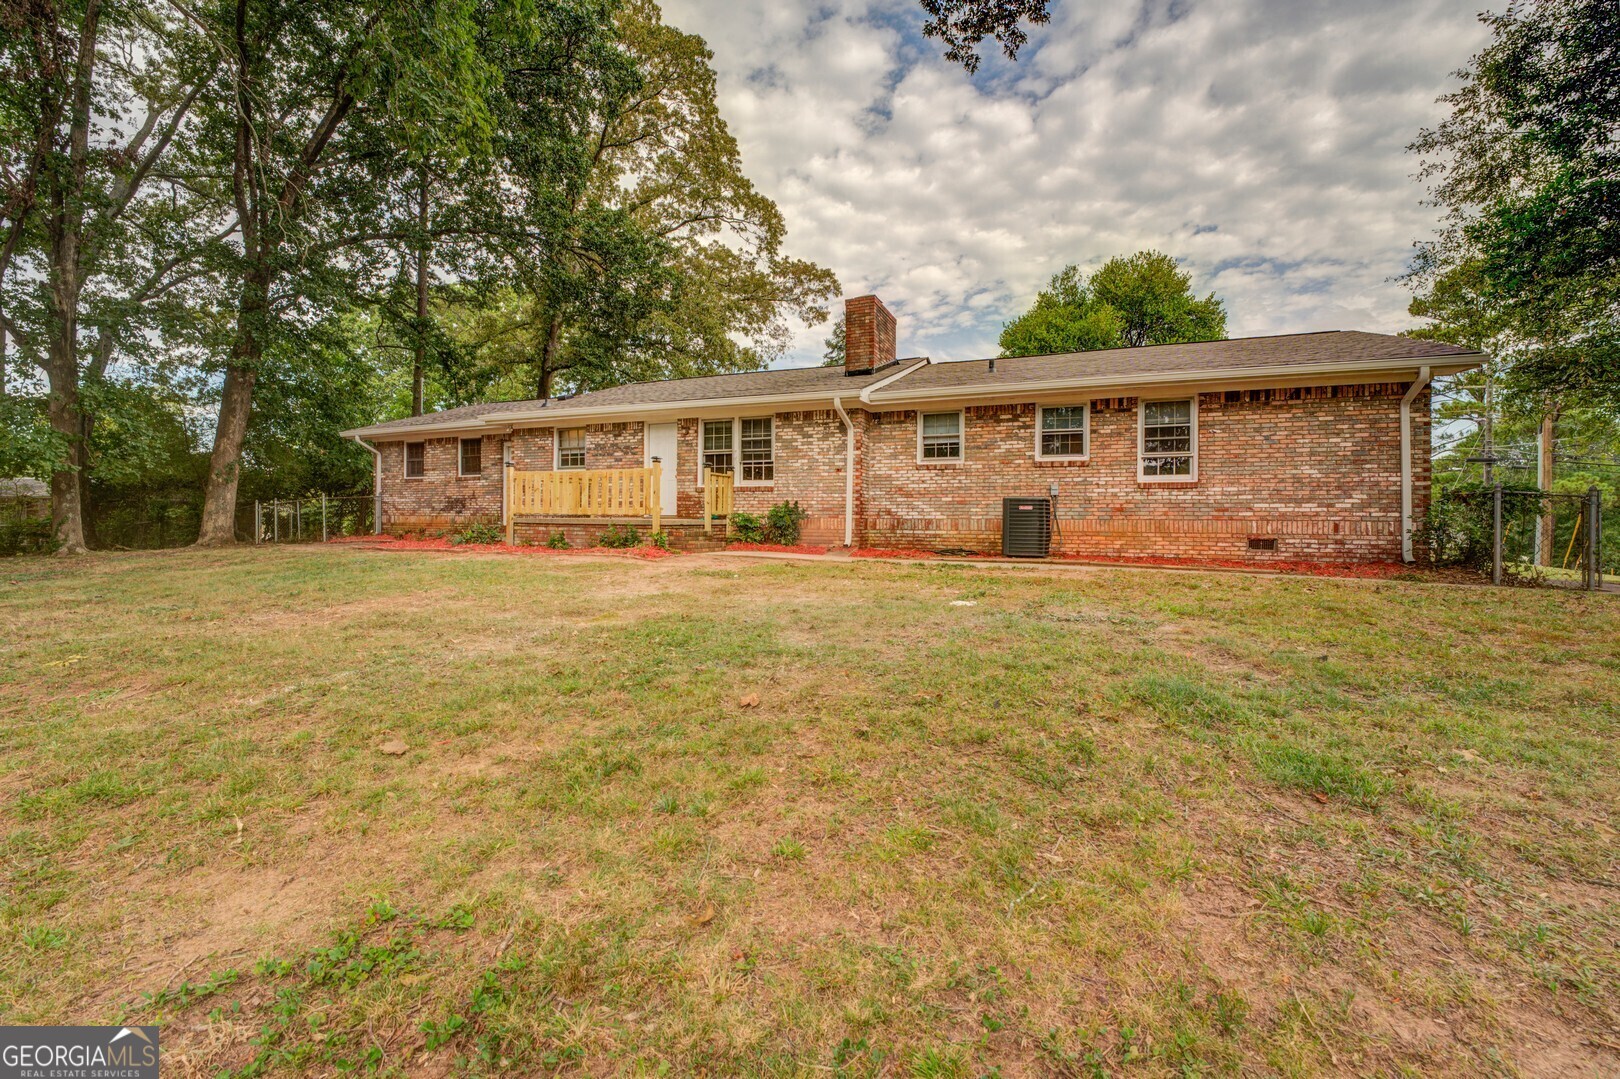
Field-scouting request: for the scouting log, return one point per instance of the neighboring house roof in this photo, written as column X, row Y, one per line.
column 1351, row 352
column 16, row 488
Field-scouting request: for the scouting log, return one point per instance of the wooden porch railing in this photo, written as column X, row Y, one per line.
column 600, row 492
column 718, row 498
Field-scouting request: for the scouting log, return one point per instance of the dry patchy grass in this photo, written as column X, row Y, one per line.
column 717, row 816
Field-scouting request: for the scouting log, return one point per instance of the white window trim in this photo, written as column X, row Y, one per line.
column 470, row 475
column 405, row 459
column 556, row 449
column 1141, row 440
column 736, row 449
column 961, row 435
column 1085, row 434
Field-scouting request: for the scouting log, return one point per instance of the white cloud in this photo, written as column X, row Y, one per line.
column 1260, row 141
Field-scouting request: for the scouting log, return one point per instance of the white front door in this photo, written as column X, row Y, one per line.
column 661, row 443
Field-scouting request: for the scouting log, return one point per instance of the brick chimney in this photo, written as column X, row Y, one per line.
column 868, row 335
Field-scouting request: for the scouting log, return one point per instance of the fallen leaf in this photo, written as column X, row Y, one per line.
column 1320, row 797
column 394, row 748
column 750, row 701
column 704, row 916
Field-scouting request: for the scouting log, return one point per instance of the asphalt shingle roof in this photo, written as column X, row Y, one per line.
column 1327, row 349
column 793, row 380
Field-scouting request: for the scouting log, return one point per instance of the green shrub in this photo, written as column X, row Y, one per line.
column 558, row 541
column 784, row 521
column 659, row 539
column 479, row 533
column 1460, row 523
column 747, row 528
column 31, row 535
column 619, row 536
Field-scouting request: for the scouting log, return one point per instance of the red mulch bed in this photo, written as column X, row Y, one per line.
column 439, row 543
column 778, row 548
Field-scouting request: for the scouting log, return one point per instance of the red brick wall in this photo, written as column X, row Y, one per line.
column 809, row 469
column 1318, row 469
column 869, row 334
column 440, row 501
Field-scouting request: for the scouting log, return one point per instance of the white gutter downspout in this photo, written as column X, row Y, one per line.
column 1412, row 391
column 376, row 485
column 849, row 472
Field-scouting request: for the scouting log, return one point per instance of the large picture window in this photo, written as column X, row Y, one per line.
column 415, row 460
column 939, row 436
column 1169, row 440
column 1061, row 432
column 571, row 447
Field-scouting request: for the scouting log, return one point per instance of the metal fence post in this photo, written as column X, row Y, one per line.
column 258, row 520
column 1594, row 566
column 275, row 520
column 1496, row 533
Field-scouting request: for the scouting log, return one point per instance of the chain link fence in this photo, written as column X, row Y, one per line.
column 314, row 519
column 1521, row 531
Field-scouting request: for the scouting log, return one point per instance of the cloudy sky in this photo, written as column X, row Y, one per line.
column 1259, row 141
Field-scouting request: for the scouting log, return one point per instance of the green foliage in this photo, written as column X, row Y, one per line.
column 963, row 24
column 619, row 536
column 747, row 527
column 28, row 446
column 659, row 539
column 1526, row 169
column 1155, row 302
column 1460, row 527
column 834, row 356
column 1065, row 318
column 479, row 533
column 1142, row 299
column 784, row 521
column 31, row 535
column 558, row 541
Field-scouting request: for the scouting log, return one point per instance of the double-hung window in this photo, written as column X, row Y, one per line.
column 1061, row 433
column 744, row 447
column 571, row 447
column 1169, row 440
column 472, row 456
column 415, row 460
column 939, row 436
column 717, row 446
column 757, row 446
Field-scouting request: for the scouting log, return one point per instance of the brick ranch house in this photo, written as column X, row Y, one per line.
column 1307, row 446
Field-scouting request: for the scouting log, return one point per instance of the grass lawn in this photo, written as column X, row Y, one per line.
column 728, row 816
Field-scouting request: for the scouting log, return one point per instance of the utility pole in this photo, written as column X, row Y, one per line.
column 1548, row 525
column 1487, row 433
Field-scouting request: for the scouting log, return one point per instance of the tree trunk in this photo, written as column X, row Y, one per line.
column 235, row 407
column 422, row 255
column 65, row 230
column 1544, row 480
column 548, row 353
column 62, row 409
column 225, row 462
